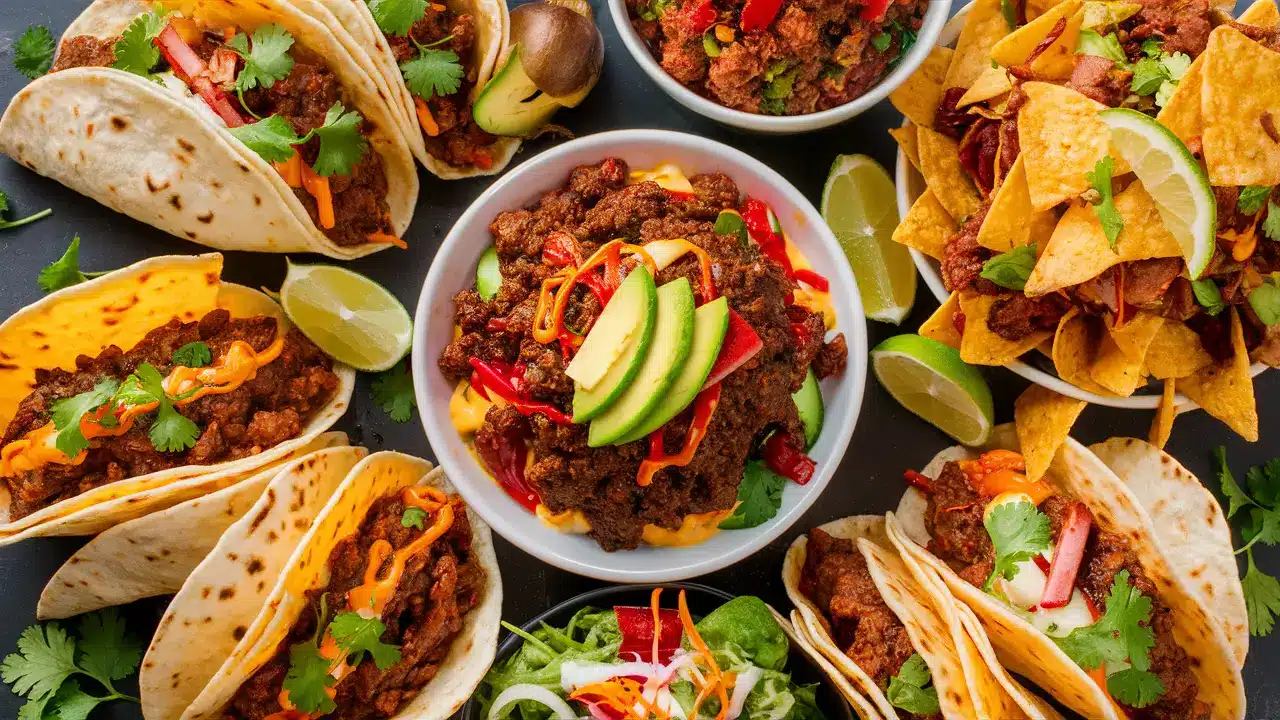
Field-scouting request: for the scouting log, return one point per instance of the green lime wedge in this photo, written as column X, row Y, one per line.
column 354, row 319
column 931, row 380
column 860, row 206
column 1174, row 179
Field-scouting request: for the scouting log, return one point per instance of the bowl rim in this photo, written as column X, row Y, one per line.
column 935, row 18
column 906, row 176
column 441, row 283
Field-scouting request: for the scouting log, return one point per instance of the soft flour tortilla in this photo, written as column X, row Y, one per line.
column 169, row 690
column 155, row 554
column 799, row 636
column 967, row 687
column 120, row 308
column 493, row 28
column 156, row 152
column 1024, row 650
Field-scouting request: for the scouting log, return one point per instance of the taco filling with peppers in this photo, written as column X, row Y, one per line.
column 637, row 350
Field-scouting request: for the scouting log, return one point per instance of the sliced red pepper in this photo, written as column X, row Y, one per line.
column 192, row 70
column 636, row 624
column 812, row 279
column 701, row 15
column 1067, row 557
column 919, row 481
column 561, row 248
column 505, row 457
column 704, row 406
column 496, row 324
column 757, row 14
column 873, row 10
column 741, row 343
column 784, row 458
column 755, row 215
column 494, row 378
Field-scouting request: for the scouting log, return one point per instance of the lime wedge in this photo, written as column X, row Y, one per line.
column 931, row 380
column 354, row 319
column 1174, row 179
column 860, row 207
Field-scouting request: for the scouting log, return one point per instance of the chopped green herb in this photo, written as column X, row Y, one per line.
column 1012, row 269
column 136, row 51
column 267, row 61
column 193, row 354
column 357, row 635
column 393, row 391
column 759, row 497
column 433, row 73
column 1265, row 301
column 1271, row 226
column 1105, row 208
column 414, row 517
column 1261, row 524
column 33, row 51
column 1252, row 199
column 171, row 431
column 1105, row 46
column 1019, row 532
column 65, row 271
column 1208, row 295
column 67, row 413
column 882, row 41
column 912, row 689
column 396, row 17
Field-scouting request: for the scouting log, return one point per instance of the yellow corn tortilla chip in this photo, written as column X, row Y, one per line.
column 984, row 26
column 1062, row 139
column 918, row 97
column 1135, row 335
column 1113, row 369
column 1043, row 420
column 1074, row 346
column 1240, row 100
column 926, row 226
column 1078, row 250
column 1166, row 411
column 992, row 83
column 1262, row 13
column 941, row 325
column 1058, row 60
column 1225, row 390
column 1042, row 226
column 1008, row 221
column 1182, row 114
column 1175, row 352
column 940, row 165
column 1036, row 8
column 1103, row 16
column 906, row 137
column 979, row 345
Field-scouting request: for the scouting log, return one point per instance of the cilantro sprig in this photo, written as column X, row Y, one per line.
column 357, row 635
column 1259, row 523
column 193, row 354
column 136, row 51
column 1019, row 532
column 1208, row 295
column 65, row 271
column 1252, row 199
column 267, row 60
column 433, row 73
column 912, row 689
column 1271, row 226
column 4, row 208
column 171, row 431
column 50, row 663
column 1155, row 73
column 67, row 413
column 1265, row 301
column 308, row 680
column 759, row 497
column 396, row 17
column 33, row 51
column 1105, row 206
column 393, row 390
column 414, row 517
column 1012, row 269
column 341, row 144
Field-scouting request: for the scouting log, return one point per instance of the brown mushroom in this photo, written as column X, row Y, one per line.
column 559, row 46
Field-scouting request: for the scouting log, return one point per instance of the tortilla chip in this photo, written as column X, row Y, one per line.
column 1062, row 139
column 1175, row 352
column 1240, row 103
column 907, row 140
column 1166, row 411
column 941, row 325
column 979, row 345
column 1262, row 13
column 1113, row 369
column 1036, row 8
column 1058, row 60
column 1135, row 335
column 1107, row 14
column 992, row 83
column 1079, row 250
column 1043, row 420
column 926, row 226
column 940, row 165
column 1225, row 390
column 1182, row 115
column 918, row 97
column 984, row 26
column 1008, row 221
column 1074, row 346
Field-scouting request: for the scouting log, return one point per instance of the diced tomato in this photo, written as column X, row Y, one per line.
column 1067, row 557
column 636, row 624
column 701, row 15
column 873, row 10
column 757, row 14
column 784, row 458
column 741, row 343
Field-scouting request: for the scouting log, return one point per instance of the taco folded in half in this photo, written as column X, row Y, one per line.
column 1072, row 583
column 146, row 387
column 387, row 607
column 889, row 633
column 238, row 125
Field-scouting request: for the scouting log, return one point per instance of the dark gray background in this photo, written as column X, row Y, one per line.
column 869, row 480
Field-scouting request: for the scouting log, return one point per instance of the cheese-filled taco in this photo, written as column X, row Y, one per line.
column 388, row 606
column 893, row 638
column 1072, row 582
column 146, row 387
column 238, row 125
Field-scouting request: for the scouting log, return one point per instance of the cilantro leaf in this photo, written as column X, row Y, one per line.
column 772, row 106
column 1252, row 199
column 1262, row 599
column 393, row 390
column 136, row 51
column 267, row 61
column 68, row 411
column 413, row 517
column 911, row 688
column 171, row 431
column 46, row 660
column 882, row 41
column 33, row 708
column 1148, row 75
column 1208, row 295
column 4, row 207
column 1123, row 633
column 273, row 138
column 308, row 678
column 107, row 651
column 1019, row 532
column 1236, row 495
column 193, row 354
column 72, row 703
column 1011, row 269
column 33, row 51
column 1153, row 47
column 1010, row 14
column 1107, row 46
column 1135, row 688
column 46, row 656
column 1105, row 208
column 357, row 635
column 433, row 72
column 341, row 144
column 1264, row 483
column 1175, row 65
column 65, row 271
column 1271, row 226
column 396, row 17
column 759, row 497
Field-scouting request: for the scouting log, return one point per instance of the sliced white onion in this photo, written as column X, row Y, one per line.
column 574, row 675
column 560, row 709
column 742, row 687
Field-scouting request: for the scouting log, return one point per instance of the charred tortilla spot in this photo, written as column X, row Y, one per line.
column 243, row 167
column 119, row 123
column 238, row 632
column 227, row 593
column 206, row 592
column 233, row 557
column 211, row 278
column 207, row 619
column 254, row 566
column 206, row 218
column 61, row 155
column 190, row 235
column 153, row 187
column 257, row 199
column 176, row 201
column 1269, row 126
column 88, row 130
column 261, row 584
column 150, row 558
column 262, row 514
column 185, row 145
column 112, row 322
column 301, row 523
column 272, row 536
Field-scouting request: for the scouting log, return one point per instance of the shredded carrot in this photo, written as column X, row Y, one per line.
column 715, row 681
column 425, row 118
column 386, row 238
column 228, row 32
column 291, row 170
column 317, row 186
column 541, row 331
column 545, row 332
column 657, row 621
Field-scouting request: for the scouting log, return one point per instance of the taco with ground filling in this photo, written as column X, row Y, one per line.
column 387, row 607
column 1072, row 582
column 242, row 126
column 147, row 387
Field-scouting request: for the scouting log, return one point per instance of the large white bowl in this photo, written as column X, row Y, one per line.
column 910, row 185
column 454, row 270
column 935, row 17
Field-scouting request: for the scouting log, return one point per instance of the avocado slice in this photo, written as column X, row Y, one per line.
column 672, row 340
column 637, row 290
column 511, row 104
column 488, row 276
column 710, row 323
column 606, row 342
column 808, row 401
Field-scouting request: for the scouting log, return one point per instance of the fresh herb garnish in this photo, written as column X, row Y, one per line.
column 65, row 271
column 67, row 413
column 136, row 51
column 414, row 517
column 393, row 390
column 1107, row 46
column 193, row 355
column 759, row 497
column 1271, row 226
column 308, row 679
column 396, row 17
column 1010, row 13
column 171, row 431
column 1252, row 199
column 1261, row 524
column 357, row 635
column 1158, row 72
column 1135, row 688
column 912, row 688
column 4, row 208
column 1265, row 301
column 433, row 73
column 272, row 138
column 267, row 61
column 1019, row 532
column 882, row 41
column 1208, row 295
column 341, row 144
column 1122, row 634
column 1012, row 269
column 1105, row 208
column 33, row 51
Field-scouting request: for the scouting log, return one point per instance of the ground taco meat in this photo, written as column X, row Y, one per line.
column 954, row 521
column 836, row 579
column 271, row 408
column 438, row 587
column 595, row 207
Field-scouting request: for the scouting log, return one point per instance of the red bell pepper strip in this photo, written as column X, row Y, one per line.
column 755, row 215
column 919, row 481
column 1067, row 557
column 757, row 14
column 874, row 10
column 505, row 457
column 191, row 69
column 701, row 15
column 636, row 624
column 782, row 457
column 704, row 406
column 812, row 279
column 561, row 248
column 501, row 381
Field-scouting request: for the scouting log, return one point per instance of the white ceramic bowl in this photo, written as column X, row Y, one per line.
column 935, row 17
column 454, row 270
column 910, row 185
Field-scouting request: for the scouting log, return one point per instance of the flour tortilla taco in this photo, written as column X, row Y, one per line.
column 147, row 387
column 238, row 125
column 1076, row 589
column 884, row 626
column 391, row 598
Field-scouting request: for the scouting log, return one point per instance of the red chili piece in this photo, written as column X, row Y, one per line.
column 701, row 15
column 1067, row 557
column 503, row 380
column 784, row 458
column 812, row 279
column 874, row 10
column 636, row 624
column 192, row 70
column 505, row 458
column 561, row 248
column 919, row 481
column 757, row 14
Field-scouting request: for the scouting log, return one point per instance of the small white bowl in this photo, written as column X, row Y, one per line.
column 935, row 17
column 910, row 185
column 454, row 270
